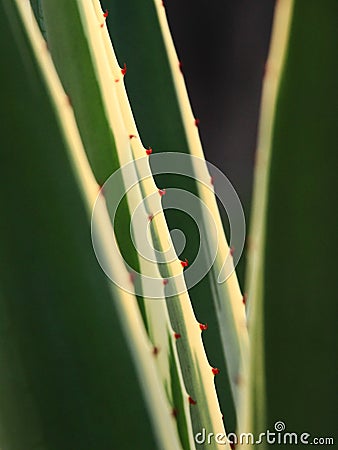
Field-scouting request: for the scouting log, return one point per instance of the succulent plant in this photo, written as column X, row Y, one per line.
column 100, row 344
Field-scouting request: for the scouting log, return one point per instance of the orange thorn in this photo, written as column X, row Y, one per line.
column 132, row 277
column 244, row 299
column 238, row 380
column 149, row 151
column 184, row 263
column 232, row 251
column 177, row 335
column 131, row 136
column 124, row 70
column 69, row 101
column 265, row 69
column 215, row 371
column 174, row 412
column 191, row 401
column 180, row 66
column 165, row 282
column 203, row 326
column 150, row 217
column 162, row 192
column 101, row 189
column 105, row 14
column 197, row 122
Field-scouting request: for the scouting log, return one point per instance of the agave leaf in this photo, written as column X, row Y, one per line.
column 195, row 367
column 165, row 121
column 66, row 358
column 155, row 313
column 291, row 272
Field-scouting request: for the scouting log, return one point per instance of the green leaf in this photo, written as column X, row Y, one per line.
column 297, row 281
column 64, row 358
column 72, row 53
column 138, row 41
column 300, row 262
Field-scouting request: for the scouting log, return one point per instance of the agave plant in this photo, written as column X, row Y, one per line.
column 100, row 344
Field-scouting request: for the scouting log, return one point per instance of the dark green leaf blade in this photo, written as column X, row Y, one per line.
column 60, row 325
column 300, row 276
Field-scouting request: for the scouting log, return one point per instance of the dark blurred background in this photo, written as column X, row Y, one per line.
column 223, row 46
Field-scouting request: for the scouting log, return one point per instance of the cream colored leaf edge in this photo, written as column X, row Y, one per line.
column 195, row 344
column 231, row 311
column 164, row 424
column 156, row 310
column 255, row 265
